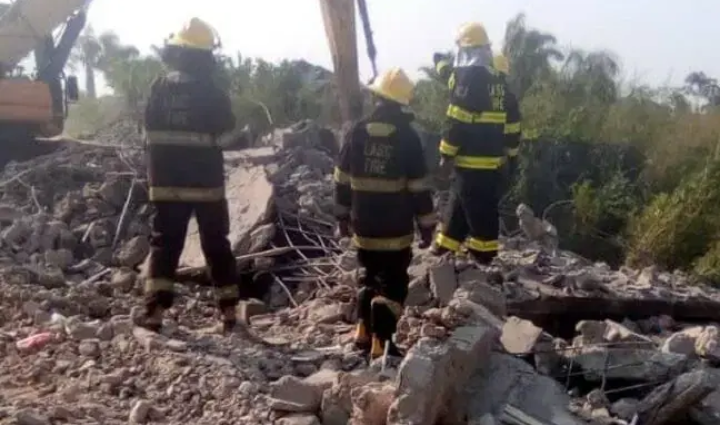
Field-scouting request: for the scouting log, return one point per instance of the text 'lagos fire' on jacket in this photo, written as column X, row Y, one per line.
column 476, row 116
column 381, row 181
column 184, row 116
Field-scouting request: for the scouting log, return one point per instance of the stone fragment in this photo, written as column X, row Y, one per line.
column 291, row 394
column 519, row 336
column 443, row 281
column 433, row 374
column 371, row 403
column 133, row 252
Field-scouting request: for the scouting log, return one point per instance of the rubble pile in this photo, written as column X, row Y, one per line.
column 302, row 174
column 543, row 337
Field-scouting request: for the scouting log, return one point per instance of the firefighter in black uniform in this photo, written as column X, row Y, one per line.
column 381, row 192
column 512, row 125
column 473, row 142
column 184, row 117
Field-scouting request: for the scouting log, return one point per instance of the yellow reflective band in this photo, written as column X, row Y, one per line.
column 447, row 243
column 427, row 220
column 468, row 117
column 483, row 246
column 395, row 307
column 479, row 162
column 419, row 185
column 383, row 244
column 441, row 66
column 369, row 184
column 512, row 128
column 340, row 176
column 186, row 194
column 513, row 152
column 180, row 138
column 379, row 129
column 447, row 149
column 155, row 284
column 228, row 292
column 451, row 81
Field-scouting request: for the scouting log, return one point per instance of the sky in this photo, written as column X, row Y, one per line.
column 657, row 42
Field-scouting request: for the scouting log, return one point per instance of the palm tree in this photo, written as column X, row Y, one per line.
column 530, row 53
column 99, row 53
column 86, row 54
column 591, row 75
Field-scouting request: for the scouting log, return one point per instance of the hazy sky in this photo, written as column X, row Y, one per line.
column 657, row 41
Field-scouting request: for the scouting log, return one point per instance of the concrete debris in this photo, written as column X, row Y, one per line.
column 542, row 336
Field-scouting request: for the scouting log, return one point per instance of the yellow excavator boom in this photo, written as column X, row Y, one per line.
column 339, row 20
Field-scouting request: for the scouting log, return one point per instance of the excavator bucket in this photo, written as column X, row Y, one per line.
column 25, row 22
column 339, row 20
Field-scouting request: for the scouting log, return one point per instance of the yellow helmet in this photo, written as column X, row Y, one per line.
column 394, row 85
column 196, row 34
column 472, row 34
column 501, row 64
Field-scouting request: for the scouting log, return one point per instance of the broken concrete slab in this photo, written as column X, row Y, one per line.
column 675, row 398
column 433, row 374
column 250, row 196
column 474, row 287
column 631, row 364
column 443, row 281
column 508, row 381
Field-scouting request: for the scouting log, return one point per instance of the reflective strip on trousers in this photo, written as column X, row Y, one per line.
column 228, row 292
column 513, row 152
column 156, row 284
column 395, row 307
column 383, row 244
column 186, row 194
column 468, row 117
column 179, row 138
column 513, row 128
column 447, row 149
column 447, row 242
column 479, row 162
column 479, row 245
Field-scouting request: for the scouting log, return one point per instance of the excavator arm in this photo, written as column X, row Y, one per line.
column 340, row 30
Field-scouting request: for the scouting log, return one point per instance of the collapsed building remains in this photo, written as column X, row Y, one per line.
column 560, row 340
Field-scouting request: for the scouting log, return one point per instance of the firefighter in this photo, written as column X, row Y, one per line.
column 512, row 125
column 185, row 115
column 473, row 145
column 381, row 192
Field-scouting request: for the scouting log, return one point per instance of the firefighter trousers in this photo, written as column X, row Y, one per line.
column 384, row 289
column 169, row 228
column 472, row 215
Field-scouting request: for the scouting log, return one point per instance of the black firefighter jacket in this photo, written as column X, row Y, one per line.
column 381, row 181
column 184, row 116
column 476, row 117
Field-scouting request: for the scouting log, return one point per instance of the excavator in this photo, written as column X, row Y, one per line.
column 34, row 105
